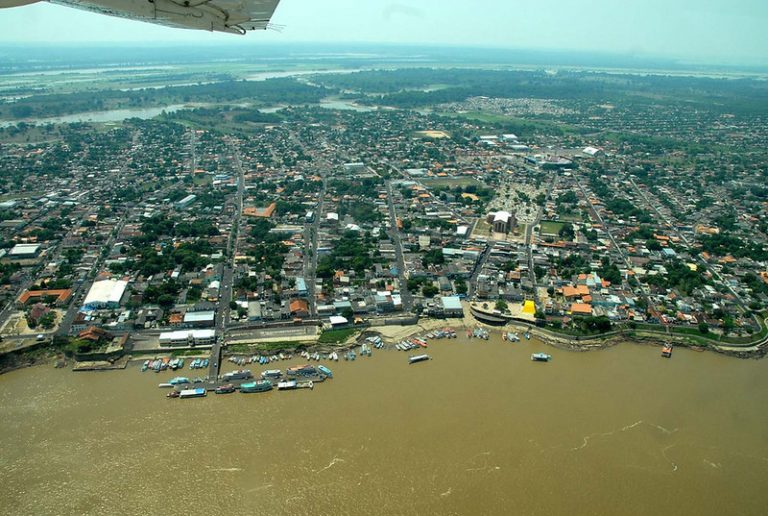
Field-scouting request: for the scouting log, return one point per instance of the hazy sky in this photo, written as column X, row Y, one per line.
column 720, row 31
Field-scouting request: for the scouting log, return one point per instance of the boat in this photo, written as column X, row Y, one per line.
column 309, row 384
column 541, row 357
column 193, row 393
column 179, row 380
column 204, row 364
column 225, row 389
column 173, row 394
column 302, row 370
column 258, row 386
column 512, row 336
column 180, row 363
column 271, row 373
column 165, row 385
column 287, row 385
column 145, row 365
column 527, row 335
column 327, row 372
column 666, row 351
column 418, row 358
column 242, row 374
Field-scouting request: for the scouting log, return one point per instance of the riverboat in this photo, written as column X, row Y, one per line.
column 193, row 393
column 260, row 386
column 287, row 385
column 271, row 373
column 541, row 357
column 179, row 380
column 327, row 372
column 418, row 358
column 309, row 384
column 225, row 389
column 302, row 370
column 242, row 374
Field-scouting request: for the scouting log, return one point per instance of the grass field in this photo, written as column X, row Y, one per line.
column 550, row 227
column 452, row 182
column 336, row 336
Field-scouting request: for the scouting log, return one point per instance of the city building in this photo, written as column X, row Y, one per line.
column 105, row 294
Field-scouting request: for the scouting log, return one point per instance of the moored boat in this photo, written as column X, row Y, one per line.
column 259, row 386
column 301, row 370
column 242, row 374
column 173, row 394
column 541, row 357
column 193, row 393
column 309, row 384
column 271, row 373
column 225, row 389
column 179, row 380
column 666, row 351
column 287, row 385
column 327, row 372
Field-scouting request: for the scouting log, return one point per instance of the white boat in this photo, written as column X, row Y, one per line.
column 418, row 358
column 287, row 385
column 541, row 357
column 193, row 393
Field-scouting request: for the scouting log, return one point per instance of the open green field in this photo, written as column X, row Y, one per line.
column 551, row 227
column 451, row 182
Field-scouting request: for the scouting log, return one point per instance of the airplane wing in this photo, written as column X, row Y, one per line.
column 233, row 16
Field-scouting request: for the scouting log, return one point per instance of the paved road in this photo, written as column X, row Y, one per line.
column 394, row 233
column 228, row 274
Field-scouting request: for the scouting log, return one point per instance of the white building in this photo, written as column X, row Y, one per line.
column 188, row 338
column 105, row 294
column 502, row 222
column 21, row 251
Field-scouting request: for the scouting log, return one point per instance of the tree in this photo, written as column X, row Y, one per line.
column 429, row 290
column 501, row 305
column 232, row 305
column 166, row 300
column 348, row 313
column 703, row 328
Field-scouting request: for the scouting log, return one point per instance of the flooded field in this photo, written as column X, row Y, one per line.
column 480, row 429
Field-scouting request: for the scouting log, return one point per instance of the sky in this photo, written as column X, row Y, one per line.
column 702, row 31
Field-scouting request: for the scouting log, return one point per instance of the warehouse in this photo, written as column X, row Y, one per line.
column 105, row 294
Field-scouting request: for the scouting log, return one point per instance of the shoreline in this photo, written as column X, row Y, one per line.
column 392, row 334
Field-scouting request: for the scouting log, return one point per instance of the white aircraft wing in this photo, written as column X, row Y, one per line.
column 234, row 16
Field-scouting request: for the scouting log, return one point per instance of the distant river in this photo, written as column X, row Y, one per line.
column 111, row 115
column 478, row 430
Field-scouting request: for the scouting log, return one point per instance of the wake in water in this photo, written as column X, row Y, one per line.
column 627, row 428
column 623, row 429
column 335, row 461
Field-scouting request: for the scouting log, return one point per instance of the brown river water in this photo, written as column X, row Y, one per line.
column 480, row 429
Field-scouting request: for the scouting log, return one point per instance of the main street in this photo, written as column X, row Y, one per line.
column 228, row 272
column 394, row 233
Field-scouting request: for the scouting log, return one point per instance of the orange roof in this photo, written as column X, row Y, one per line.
column 299, row 305
column 62, row 296
column 569, row 291
column 581, row 309
column 264, row 213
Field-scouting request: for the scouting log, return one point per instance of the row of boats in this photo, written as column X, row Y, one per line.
column 165, row 363
column 479, row 333
column 512, row 336
column 244, row 388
